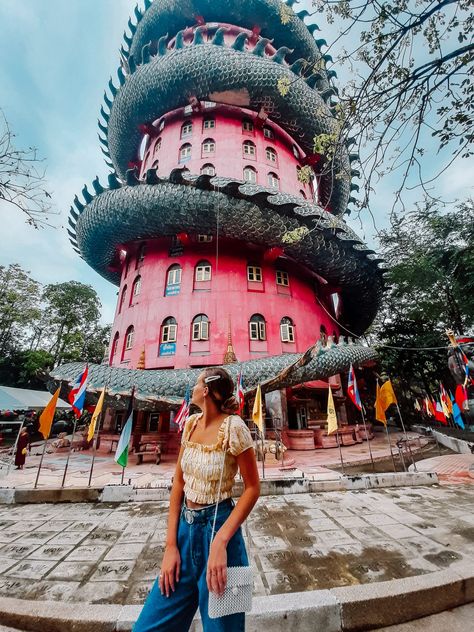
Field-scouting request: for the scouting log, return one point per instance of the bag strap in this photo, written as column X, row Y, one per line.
column 219, row 497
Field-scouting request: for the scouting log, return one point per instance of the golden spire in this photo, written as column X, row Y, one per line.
column 229, row 356
column 141, row 360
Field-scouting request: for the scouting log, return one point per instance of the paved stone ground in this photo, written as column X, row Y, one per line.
column 452, row 468
column 457, row 620
column 111, row 554
column 313, row 463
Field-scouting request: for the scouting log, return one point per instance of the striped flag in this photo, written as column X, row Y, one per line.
column 183, row 412
column 352, row 389
column 121, row 454
column 77, row 396
column 240, row 394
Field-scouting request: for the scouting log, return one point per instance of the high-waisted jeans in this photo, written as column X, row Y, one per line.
column 175, row 613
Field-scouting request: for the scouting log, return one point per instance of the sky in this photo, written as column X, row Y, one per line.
column 56, row 57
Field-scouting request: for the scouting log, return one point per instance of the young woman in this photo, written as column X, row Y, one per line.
column 192, row 565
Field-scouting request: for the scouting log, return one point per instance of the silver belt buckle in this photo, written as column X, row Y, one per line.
column 188, row 515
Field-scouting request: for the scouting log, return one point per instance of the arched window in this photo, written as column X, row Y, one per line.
column 161, row 125
column 248, row 148
column 136, row 287
column 129, row 338
column 271, row 155
column 296, row 152
column 208, row 123
column 273, row 180
column 287, row 330
column 200, row 327
column 268, row 132
column 203, row 271
column 186, row 129
column 247, row 125
column 185, row 152
column 323, row 335
column 209, row 146
column 140, row 255
column 169, row 330
column 114, row 346
column 257, row 327
column 173, row 280
column 250, row 175
column 208, row 170
column 122, row 298
column 158, row 144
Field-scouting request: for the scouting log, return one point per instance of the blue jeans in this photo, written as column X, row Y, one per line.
column 175, row 613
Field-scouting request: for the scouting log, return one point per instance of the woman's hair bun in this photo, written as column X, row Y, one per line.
column 230, row 405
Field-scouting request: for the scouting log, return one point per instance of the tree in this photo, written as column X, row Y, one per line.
column 431, row 273
column 412, row 92
column 22, row 182
column 23, row 369
column 73, row 311
column 19, row 306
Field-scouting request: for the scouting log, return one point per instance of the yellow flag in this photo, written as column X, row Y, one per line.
column 379, row 410
column 95, row 416
column 47, row 416
column 257, row 412
column 332, row 417
column 387, row 395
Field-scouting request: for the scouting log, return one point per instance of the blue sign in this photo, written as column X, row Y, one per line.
column 167, row 348
column 172, row 290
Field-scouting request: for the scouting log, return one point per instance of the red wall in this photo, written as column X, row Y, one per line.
column 227, row 295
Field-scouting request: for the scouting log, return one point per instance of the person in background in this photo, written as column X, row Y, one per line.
column 21, row 448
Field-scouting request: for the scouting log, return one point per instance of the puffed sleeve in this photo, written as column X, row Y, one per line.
column 187, row 429
column 240, row 438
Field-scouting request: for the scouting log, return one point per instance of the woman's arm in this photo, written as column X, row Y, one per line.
column 216, row 581
column 170, row 567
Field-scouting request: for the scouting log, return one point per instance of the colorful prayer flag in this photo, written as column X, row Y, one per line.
column 352, row 389
column 47, row 416
column 387, row 395
column 95, row 416
column 240, row 393
column 461, row 397
column 379, row 410
column 332, row 417
column 458, row 420
column 121, row 454
column 439, row 414
column 183, row 412
column 77, row 396
column 445, row 401
column 257, row 412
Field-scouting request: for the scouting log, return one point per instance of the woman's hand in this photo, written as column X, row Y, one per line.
column 170, row 568
column 217, row 567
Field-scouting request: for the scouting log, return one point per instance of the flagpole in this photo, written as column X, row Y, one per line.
column 40, row 463
column 94, row 448
column 69, row 453
column 367, row 437
column 390, row 444
column 340, row 452
column 401, row 419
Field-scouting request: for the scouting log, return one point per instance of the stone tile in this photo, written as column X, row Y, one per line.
column 350, row 522
column 87, row 553
column 302, row 539
column 6, row 523
column 100, row 592
column 339, row 513
column 82, row 526
column 125, row 551
column 18, row 588
column 53, row 591
column 377, row 519
column 135, row 536
column 68, row 537
column 17, row 550
column 275, row 560
column 148, row 568
column 100, row 536
column 397, row 531
column 368, row 534
column 51, row 552
column 5, row 563
column 265, row 542
column 322, row 524
column 9, row 536
column 31, row 569
column 159, row 535
column 139, row 592
column 279, row 582
column 36, row 537
column 112, row 571
column 76, row 571
column 331, row 538
column 22, row 526
column 55, row 525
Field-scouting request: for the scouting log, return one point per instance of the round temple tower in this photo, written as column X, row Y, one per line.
column 220, row 244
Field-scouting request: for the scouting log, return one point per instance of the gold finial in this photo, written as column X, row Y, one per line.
column 229, row 356
column 141, row 360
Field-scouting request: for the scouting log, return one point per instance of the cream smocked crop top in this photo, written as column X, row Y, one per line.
column 202, row 464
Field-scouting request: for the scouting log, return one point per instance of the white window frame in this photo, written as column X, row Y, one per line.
column 253, row 272
column 258, row 330
column 248, row 148
column 115, row 345
column 200, row 330
column 161, row 125
column 287, row 332
column 209, row 146
column 209, row 104
column 129, row 339
column 253, row 179
column 137, row 286
column 268, row 133
column 247, row 125
column 169, row 333
column 205, row 169
column 185, row 152
column 188, row 109
column 174, row 276
column 204, row 239
column 187, row 129
column 282, row 278
column 273, row 181
column 209, row 123
column 271, row 155
column 203, row 272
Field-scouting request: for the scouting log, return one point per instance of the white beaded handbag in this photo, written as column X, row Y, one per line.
column 237, row 596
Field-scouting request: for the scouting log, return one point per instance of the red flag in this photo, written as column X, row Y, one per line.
column 461, row 397
column 240, row 394
column 439, row 414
